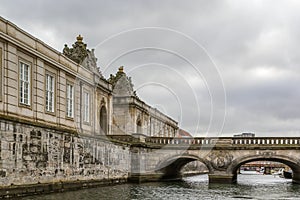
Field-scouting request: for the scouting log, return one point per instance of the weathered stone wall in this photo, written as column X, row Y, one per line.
column 31, row 155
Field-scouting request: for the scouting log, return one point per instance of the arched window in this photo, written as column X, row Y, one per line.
column 103, row 121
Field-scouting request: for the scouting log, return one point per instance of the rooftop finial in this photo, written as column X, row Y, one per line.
column 121, row 69
column 79, row 38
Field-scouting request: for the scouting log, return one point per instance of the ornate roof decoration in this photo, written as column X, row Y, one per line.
column 78, row 52
column 122, row 84
column 81, row 55
column 90, row 62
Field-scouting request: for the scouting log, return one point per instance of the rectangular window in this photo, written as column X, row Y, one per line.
column 24, row 79
column 49, row 93
column 86, row 107
column 70, row 100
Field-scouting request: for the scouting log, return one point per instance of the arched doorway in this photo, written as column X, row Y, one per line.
column 103, row 121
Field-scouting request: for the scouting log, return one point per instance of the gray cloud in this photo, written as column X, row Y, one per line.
column 253, row 44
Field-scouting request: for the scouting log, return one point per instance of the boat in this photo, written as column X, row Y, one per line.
column 284, row 173
column 279, row 172
column 248, row 172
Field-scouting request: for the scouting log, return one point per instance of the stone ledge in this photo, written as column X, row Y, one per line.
column 17, row 191
column 222, row 178
column 142, row 178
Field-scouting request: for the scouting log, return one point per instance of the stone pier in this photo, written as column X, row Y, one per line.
column 222, row 178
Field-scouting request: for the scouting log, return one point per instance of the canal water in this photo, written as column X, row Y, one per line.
column 248, row 187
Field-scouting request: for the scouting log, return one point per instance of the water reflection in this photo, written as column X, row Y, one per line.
column 197, row 187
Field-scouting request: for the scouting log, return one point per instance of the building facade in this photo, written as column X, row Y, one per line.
column 42, row 86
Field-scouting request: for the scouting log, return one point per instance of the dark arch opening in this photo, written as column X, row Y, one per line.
column 194, row 168
column 171, row 168
column 103, row 121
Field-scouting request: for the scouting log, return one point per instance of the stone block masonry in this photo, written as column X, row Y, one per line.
column 33, row 157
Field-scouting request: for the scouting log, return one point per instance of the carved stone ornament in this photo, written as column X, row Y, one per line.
column 220, row 160
column 122, row 84
column 90, row 62
column 267, row 154
column 103, row 103
column 78, row 52
column 82, row 55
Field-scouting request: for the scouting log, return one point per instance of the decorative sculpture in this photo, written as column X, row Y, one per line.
column 220, row 160
column 81, row 55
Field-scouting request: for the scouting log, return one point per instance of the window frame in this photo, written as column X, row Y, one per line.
column 67, row 100
column 50, row 74
column 21, row 81
column 86, row 106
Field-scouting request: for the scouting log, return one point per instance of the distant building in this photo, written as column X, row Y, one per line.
column 245, row 135
column 183, row 134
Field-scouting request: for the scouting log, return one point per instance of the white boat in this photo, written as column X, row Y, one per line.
column 250, row 172
column 279, row 172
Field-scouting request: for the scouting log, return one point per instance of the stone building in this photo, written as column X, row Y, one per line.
column 133, row 116
column 244, row 135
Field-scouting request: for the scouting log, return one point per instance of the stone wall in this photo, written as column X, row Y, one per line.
column 31, row 155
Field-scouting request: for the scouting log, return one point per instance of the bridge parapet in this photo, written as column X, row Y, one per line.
column 178, row 141
column 197, row 142
column 227, row 141
column 266, row 141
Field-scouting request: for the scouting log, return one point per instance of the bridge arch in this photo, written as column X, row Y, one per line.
column 170, row 167
column 289, row 161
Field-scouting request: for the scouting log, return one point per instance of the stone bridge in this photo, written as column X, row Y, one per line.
column 155, row 159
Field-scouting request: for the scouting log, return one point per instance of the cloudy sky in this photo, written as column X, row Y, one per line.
column 218, row 67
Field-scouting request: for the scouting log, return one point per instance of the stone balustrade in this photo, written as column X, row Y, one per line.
column 178, row 141
column 230, row 141
column 266, row 141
